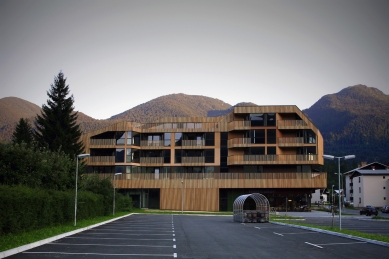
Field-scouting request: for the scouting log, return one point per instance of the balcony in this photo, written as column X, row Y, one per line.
column 102, row 142
column 188, row 144
column 151, row 161
column 292, row 124
column 271, row 159
column 291, row 142
column 193, row 161
column 239, row 125
column 179, row 127
column 239, row 142
column 101, row 160
column 151, row 144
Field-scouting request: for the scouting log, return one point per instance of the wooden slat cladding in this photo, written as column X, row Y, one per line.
column 194, row 199
column 317, row 182
column 271, row 159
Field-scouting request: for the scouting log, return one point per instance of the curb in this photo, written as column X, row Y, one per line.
column 335, row 234
column 54, row 238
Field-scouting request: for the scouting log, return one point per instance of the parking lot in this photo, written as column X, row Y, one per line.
column 191, row 236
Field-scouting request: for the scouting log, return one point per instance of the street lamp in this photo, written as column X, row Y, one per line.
column 345, row 158
column 75, row 199
column 182, row 194
column 114, row 184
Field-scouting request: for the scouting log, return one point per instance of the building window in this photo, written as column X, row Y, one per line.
column 257, row 119
column 359, row 179
column 359, row 189
column 271, row 150
column 383, row 177
column 166, row 156
column 166, row 139
column 209, row 138
column 271, row 119
column 384, row 187
column 271, row 136
column 384, row 198
column 178, row 139
column 360, row 200
column 120, row 138
column 257, row 136
column 119, row 156
column 209, row 155
column 129, row 138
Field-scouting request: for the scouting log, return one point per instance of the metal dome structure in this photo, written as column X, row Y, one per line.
column 253, row 207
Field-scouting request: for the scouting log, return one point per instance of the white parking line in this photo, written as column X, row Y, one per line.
column 66, row 253
column 70, row 244
column 350, row 243
column 278, row 234
column 313, row 245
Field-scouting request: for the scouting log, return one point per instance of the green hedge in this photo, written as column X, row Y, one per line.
column 24, row 209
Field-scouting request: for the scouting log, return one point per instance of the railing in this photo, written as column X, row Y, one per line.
column 102, row 142
column 223, row 176
column 101, row 159
column 239, row 142
column 151, row 160
column 182, row 126
column 236, row 125
column 193, row 160
column 291, row 123
column 272, row 159
column 152, row 143
column 193, row 143
column 292, row 141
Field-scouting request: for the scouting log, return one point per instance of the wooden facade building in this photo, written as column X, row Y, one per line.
column 204, row 163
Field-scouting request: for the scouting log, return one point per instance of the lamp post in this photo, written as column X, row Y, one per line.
column 182, row 194
column 75, row 198
column 332, row 205
column 345, row 158
column 114, row 184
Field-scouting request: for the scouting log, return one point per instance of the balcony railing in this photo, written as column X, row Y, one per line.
column 290, row 141
column 193, row 143
column 151, row 160
column 291, row 124
column 101, row 160
column 102, row 142
column 239, row 125
column 151, row 143
column 178, row 126
column 271, row 159
column 193, row 160
column 239, row 142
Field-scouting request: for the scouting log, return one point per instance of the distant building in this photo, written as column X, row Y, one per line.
column 205, row 163
column 368, row 185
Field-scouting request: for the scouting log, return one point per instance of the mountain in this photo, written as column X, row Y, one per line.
column 354, row 121
column 173, row 105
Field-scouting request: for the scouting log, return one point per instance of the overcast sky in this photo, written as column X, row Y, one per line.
column 119, row 54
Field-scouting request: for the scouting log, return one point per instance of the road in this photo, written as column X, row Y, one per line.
column 191, row 236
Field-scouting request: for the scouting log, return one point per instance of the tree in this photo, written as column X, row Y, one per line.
column 56, row 127
column 23, row 133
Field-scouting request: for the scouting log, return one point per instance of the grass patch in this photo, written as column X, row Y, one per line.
column 10, row 241
column 376, row 237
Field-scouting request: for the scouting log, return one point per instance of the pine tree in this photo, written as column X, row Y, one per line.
column 56, row 127
column 23, row 133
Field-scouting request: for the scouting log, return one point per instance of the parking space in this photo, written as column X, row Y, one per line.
column 135, row 236
column 191, row 236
